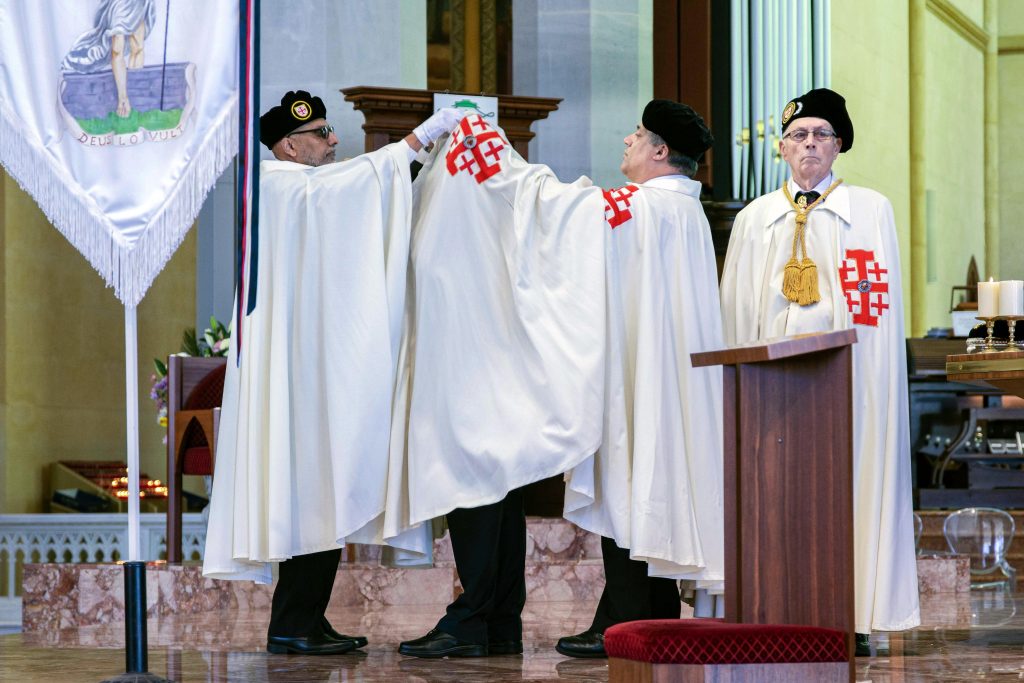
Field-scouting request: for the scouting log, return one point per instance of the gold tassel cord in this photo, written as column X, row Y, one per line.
column 800, row 277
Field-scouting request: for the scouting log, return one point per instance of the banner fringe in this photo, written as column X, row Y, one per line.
column 129, row 270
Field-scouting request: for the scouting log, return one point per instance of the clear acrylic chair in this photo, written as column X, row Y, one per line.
column 918, row 530
column 984, row 534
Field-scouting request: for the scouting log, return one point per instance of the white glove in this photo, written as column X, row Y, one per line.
column 441, row 122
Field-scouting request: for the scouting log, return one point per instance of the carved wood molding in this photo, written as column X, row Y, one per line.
column 391, row 113
column 949, row 14
column 1011, row 45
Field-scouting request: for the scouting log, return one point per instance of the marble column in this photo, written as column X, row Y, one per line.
column 323, row 46
column 320, row 46
column 596, row 56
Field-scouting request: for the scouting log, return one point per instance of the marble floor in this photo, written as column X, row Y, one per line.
column 965, row 637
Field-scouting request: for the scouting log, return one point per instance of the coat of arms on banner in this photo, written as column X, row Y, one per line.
column 109, row 95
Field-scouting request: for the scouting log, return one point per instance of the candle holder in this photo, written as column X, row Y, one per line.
column 1011, row 324
column 990, row 326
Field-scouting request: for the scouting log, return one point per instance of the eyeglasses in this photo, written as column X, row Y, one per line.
column 800, row 134
column 322, row 131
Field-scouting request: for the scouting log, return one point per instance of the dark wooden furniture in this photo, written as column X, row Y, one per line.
column 1003, row 370
column 982, row 464
column 194, row 390
column 392, row 113
column 789, row 480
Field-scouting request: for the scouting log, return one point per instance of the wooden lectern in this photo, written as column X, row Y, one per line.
column 392, row 113
column 789, row 480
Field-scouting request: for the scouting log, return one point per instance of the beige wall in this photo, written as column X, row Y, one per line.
column 871, row 38
column 1011, row 138
column 954, row 167
column 913, row 73
column 62, row 376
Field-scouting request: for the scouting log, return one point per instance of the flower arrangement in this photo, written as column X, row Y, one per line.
column 216, row 341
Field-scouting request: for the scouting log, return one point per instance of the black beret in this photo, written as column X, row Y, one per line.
column 679, row 126
column 296, row 108
column 822, row 103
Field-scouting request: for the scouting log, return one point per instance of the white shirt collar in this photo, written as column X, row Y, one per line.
column 838, row 202
column 820, row 188
column 676, row 183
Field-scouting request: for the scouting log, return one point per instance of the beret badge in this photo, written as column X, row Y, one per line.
column 301, row 110
column 787, row 113
column 296, row 108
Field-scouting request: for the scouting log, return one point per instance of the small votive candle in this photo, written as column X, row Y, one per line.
column 988, row 299
column 1011, row 297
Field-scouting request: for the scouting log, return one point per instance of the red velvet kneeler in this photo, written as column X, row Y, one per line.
column 713, row 650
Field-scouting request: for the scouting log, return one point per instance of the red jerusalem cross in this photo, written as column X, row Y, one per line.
column 866, row 293
column 616, row 205
column 475, row 148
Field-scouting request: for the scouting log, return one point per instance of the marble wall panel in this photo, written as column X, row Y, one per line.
column 943, row 573
column 564, row 581
column 443, row 550
column 49, row 597
column 101, row 595
column 563, row 563
column 184, row 590
column 557, row 540
column 359, row 586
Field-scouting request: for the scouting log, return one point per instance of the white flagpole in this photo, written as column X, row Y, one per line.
column 131, row 382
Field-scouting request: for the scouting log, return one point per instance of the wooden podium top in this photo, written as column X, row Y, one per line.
column 391, row 113
column 1001, row 369
column 775, row 349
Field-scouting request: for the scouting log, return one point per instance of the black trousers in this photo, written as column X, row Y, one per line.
column 629, row 593
column 303, row 590
column 489, row 544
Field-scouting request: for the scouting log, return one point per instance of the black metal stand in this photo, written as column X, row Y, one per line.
column 135, row 646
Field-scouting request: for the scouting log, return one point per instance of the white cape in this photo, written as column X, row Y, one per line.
column 851, row 221
column 503, row 376
column 302, row 451
column 655, row 486
column 536, row 331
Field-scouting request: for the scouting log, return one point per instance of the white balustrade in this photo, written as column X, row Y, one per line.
column 78, row 539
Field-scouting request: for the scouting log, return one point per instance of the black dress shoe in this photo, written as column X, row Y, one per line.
column 318, row 644
column 440, row 644
column 586, row 644
column 505, row 647
column 863, row 643
column 360, row 641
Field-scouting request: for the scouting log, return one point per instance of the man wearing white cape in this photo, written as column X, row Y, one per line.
column 516, row 323
column 302, row 450
column 654, row 490
column 841, row 268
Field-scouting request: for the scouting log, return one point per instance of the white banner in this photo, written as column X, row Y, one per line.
column 117, row 117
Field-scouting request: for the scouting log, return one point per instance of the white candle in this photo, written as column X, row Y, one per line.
column 1011, row 297
column 988, row 299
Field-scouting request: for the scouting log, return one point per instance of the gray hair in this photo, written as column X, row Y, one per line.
column 677, row 160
